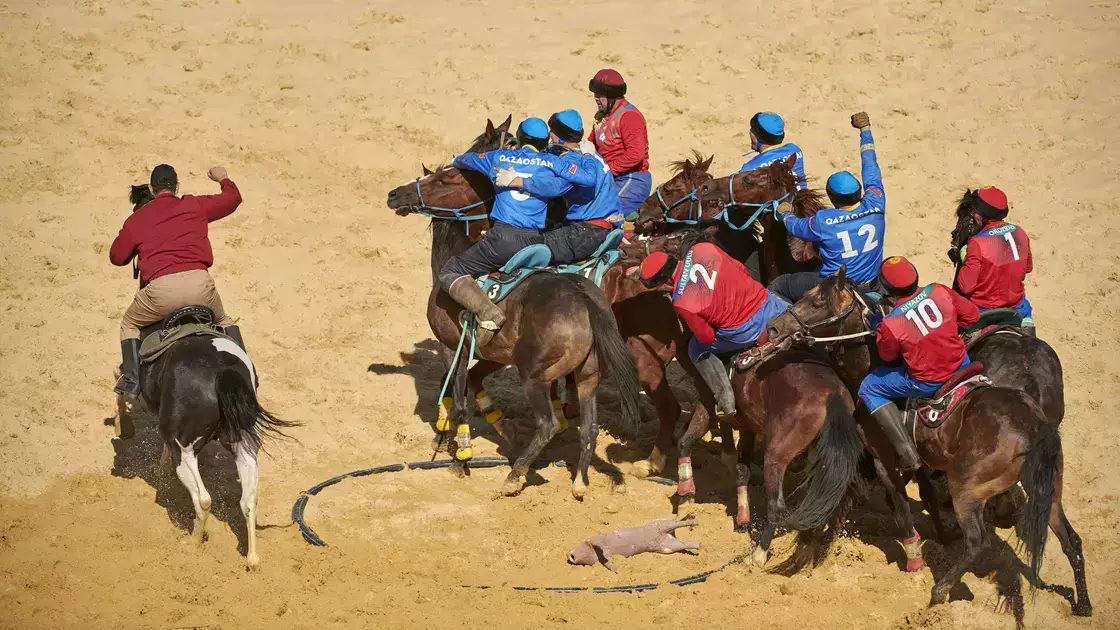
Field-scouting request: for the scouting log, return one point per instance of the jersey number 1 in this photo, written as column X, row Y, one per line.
column 868, row 232
column 926, row 317
column 1011, row 242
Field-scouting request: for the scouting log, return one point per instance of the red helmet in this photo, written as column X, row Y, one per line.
column 990, row 202
column 656, row 269
column 608, row 82
column 898, row 276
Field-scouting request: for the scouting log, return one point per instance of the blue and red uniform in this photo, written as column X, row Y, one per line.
column 922, row 331
column 852, row 237
column 721, row 303
column 623, row 142
column 996, row 261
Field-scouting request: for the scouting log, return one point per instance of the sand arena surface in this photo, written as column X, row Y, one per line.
column 317, row 110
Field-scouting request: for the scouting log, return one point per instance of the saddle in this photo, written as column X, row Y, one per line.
column 933, row 411
column 185, row 322
column 1005, row 321
column 536, row 258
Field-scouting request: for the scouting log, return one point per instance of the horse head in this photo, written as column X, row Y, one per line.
column 671, row 200
column 741, row 195
column 140, row 195
column 823, row 311
column 968, row 225
column 446, row 193
column 494, row 138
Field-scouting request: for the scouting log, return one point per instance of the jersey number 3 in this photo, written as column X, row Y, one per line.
column 869, row 244
column 926, row 316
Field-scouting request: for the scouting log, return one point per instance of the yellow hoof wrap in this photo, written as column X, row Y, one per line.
column 484, row 402
column 493, row 416
column 558, row 414
column 463, row 450
column 443, row 421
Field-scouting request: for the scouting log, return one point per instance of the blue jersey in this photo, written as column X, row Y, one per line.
column 852, row 237
column 592, row 193
column 780, row 152
column 512, row 206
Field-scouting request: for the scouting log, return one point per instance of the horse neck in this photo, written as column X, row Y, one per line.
column 449, row 239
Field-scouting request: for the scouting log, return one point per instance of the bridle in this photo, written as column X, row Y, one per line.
column 695, row 208
column 759, row 208
column 805, row 329
column 457, row 214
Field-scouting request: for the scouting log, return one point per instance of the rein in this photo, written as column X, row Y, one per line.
column 696, row 208
column 457, row 214
column 807, row 328
column 771, row 206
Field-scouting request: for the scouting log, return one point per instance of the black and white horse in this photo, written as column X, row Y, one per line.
column 204, row 387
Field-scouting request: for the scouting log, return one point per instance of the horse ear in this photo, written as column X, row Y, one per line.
column 842, row 275
column 707, row 163
column 427, row 171
column 504, row 127
column 490, row 128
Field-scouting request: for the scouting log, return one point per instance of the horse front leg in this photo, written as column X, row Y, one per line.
column 460, row 447
column 742, row 480
column 547, row 427
column 773, row 472
column 697, row 427
column 652, row 376
column 900, row 509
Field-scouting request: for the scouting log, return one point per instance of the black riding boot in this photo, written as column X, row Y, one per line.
column 890, row 419
column 716, row 378
column 235, row 333
column 129, row 383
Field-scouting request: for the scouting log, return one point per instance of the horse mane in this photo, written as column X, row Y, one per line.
column 809, row 202
column 695, row 236
column 964, row 206
column 679, row 166
column 139, row 195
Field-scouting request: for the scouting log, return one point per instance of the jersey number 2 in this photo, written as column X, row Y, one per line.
column 709, row 279
column 926, row 317
column 868, row 232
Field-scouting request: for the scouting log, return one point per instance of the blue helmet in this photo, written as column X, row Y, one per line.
column 567, row 125
column 843, row 189
column 533, row 132
column 768, row 127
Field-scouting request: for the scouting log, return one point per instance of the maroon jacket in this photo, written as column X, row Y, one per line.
column 169, row 233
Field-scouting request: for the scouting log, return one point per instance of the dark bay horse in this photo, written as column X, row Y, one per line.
column 1011, row 360
column 996, row 437
column 556, row 325
column 791, row 400
column 204, row 388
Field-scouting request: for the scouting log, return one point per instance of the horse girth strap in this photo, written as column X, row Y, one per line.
column 155, row 344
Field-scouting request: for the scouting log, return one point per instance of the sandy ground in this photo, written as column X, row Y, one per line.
column 318, row 109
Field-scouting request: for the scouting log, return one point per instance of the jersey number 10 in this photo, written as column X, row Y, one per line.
column 926, row 317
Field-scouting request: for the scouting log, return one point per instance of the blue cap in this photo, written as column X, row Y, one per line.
column 771, row 123
column 571, row 119
column 534, row 128
column 843, row 183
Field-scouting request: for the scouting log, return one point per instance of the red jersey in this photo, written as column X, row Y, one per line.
column 170, row 234
column 713, row 290
column 996, row 262
column 923, row 330
column 621, row 139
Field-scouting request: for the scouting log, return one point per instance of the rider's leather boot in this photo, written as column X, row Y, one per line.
column 490, row 318
column 718, row 381
column 234, row 332
column 128, row 384
column 890, row 419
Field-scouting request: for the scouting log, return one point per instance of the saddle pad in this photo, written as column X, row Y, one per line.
column 594, row 268
column 932, row 412
column 498, row 285
column 154, row 346
column 975, row 337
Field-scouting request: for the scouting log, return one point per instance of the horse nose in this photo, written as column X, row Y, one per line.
column 772, row 333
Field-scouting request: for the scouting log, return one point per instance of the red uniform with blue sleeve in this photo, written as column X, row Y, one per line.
column 850, row 237
column 622, row 140
column 996, row 262
column 714, row 291
column 922, row 330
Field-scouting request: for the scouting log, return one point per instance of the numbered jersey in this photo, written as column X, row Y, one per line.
column 922, row 330
column 592, row 195
column 515, row 207
column 996, row 262
column 713, row 290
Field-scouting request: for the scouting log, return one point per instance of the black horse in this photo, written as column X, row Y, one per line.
column 203, row 387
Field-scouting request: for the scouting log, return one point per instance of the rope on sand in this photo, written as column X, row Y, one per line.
column 492, row 462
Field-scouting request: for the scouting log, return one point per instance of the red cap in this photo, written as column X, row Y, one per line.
column 898, row 275
column 653, row 264
column 608, row 82
column 609, row 76
column 993, row 196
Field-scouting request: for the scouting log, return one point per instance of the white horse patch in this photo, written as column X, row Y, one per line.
column 227, row 345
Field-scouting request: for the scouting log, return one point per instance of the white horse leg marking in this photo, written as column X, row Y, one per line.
column 225, row 345
column 188, row 475
column 245, row 456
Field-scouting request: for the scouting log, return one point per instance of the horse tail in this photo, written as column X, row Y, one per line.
column 242, row 417
column 615, row 360
column 1039, row 476
column 836, row 467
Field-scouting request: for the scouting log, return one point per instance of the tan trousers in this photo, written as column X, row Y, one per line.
column 168, row 293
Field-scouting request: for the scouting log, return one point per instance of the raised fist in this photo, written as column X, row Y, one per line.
column 218, row 173
column 861, row 120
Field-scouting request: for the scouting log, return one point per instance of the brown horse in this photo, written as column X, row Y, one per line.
column 996, row 437
column 557, row 325
column 791, row 399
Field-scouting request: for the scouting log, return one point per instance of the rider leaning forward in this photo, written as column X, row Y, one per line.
column 169, row 235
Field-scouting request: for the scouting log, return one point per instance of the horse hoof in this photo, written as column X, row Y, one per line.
column 252, row 562
column 939, row 595
column 759, row 557
column 643, row 469
column 511, row 488
column 686, row 499
column 1083, row 609
column 915, row 565
column 459, row 469
column 437, row 441
column 579, row 490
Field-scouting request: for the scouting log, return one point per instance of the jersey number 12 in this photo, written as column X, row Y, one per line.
column 926, row 317
column 868, row 232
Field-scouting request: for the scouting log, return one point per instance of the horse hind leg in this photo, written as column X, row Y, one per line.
column 773, row 472
column 697, row 427
column 588, row 438
column 1071, row 546
column 245, row 458
column 547, row 427
column 970, row 514
column 187, row 470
